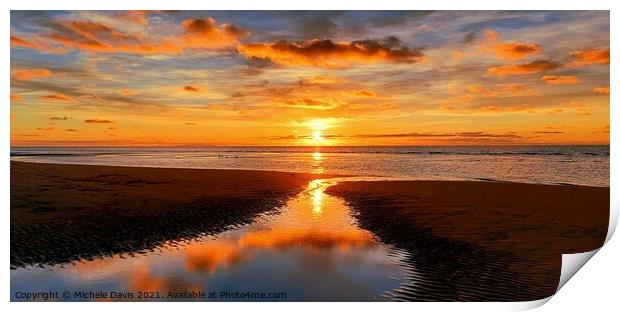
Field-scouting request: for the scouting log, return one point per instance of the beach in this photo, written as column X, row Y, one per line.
column 61, row 213
column 446, row 240
column 476, row 235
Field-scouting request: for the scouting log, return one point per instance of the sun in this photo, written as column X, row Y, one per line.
column 317, row 136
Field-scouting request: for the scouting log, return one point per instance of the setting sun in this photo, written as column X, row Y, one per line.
column 316, row 136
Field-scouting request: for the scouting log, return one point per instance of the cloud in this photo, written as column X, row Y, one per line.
column 205, row 33
column 561, row 80
column 508, row 50
column 473, row 134
column 469, row 38
column 20, row 42
column 96, row 36
column 523, row 69
column 516, row 50
column 318, row 104
column 93, row 36
column 507, row 90
column 457, row 55
column 363, row 93
column 55, row 97
column 128, row 92
column 329, row 54
column 548, row 132
column 28, row 74
column 15, row 97
column 477, row 134
column 191, row 89
column 317, row 27
column 504, row 108
column 474, row 92
column 322, row 80
column 98, row 121
column 46, row 129
column 133, row 16
column 587, row 57
column 190, row 123
column 58, row 118
column 72, row 130
column 601, row 90
column 302, row 137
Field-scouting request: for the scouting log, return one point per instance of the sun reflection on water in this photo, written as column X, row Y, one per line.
column 317, row 198
column 317, row 160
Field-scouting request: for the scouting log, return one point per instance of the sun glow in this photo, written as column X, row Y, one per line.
column 318, row 124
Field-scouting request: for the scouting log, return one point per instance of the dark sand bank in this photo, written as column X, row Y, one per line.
column 61, row 213
column 485, row 241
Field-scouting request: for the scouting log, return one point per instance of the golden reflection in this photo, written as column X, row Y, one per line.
column 317, row 160
column 211, row 256
column 317, row 156
column 317, row 198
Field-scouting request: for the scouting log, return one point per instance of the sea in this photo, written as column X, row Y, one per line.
column 540, row 164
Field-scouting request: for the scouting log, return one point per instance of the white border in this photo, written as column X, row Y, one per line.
column 596, row 285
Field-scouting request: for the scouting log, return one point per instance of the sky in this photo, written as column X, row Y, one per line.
column 160, row 78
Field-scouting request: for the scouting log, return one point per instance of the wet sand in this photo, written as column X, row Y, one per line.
column 485, row 241
column 467, row 241
column 63, row 213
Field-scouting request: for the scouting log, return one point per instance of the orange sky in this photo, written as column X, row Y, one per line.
column 309, row 78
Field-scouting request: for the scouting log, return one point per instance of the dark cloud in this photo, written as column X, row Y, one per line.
column 326, row 53
column 191, row 89
column 470, row 38
column 317, row 27
column 206, row 33
column 98, row 121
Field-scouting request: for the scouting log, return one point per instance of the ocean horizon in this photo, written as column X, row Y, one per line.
column 540, row 164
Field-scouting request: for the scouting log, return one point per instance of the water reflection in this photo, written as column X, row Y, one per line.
column 317, row 162
column 317, row 197
column 312, row 250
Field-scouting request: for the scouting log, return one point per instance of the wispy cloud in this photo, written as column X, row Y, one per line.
column 523, row 69
column 561, row 80
column 55, row 97
column 27, row 74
